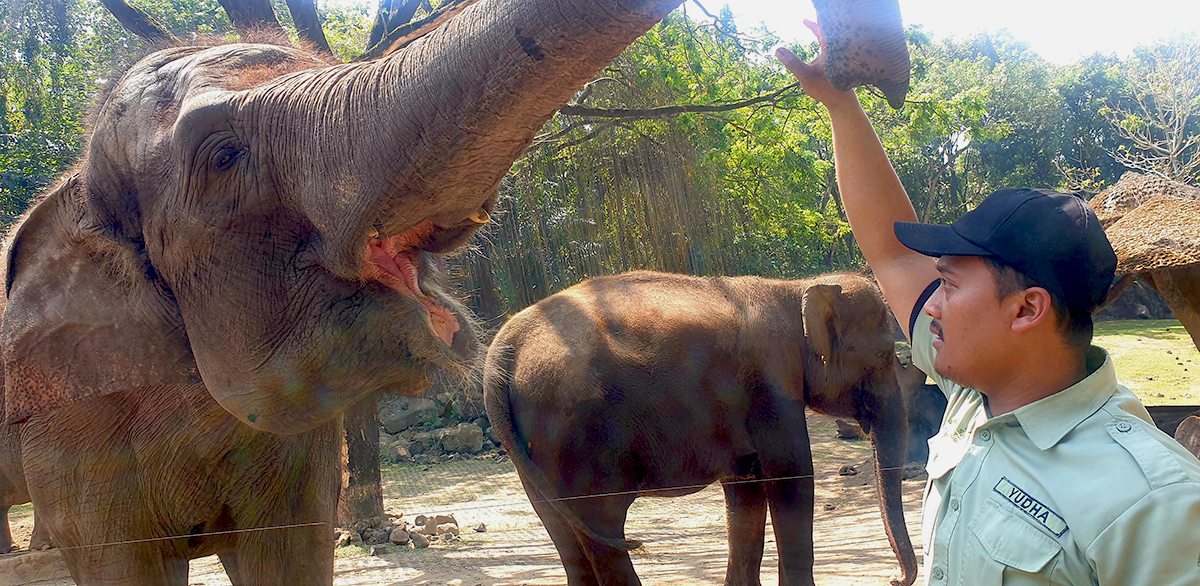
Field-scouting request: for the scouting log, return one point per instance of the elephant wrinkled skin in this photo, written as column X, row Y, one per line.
column 248, row 249
column 651, row 383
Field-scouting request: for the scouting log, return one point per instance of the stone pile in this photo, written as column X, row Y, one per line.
column 375, row 533
column 420, row 430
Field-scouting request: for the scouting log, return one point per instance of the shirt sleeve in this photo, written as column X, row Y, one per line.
column 1155, row 542
column 923, row 353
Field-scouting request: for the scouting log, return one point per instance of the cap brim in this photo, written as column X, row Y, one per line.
column 937, row 240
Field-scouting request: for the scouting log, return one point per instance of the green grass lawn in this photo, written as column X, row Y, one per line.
column 1154, row 358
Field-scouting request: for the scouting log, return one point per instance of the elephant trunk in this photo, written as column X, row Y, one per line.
column 423, row 136
column 889, row 432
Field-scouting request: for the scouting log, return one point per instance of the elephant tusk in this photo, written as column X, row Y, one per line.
column 481, row 216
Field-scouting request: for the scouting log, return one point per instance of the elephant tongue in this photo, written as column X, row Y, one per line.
column 393, row 263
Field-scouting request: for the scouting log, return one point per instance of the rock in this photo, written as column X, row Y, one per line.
column 491, row 434
column 448, row 537
column 440, row 519
column 482, row 423
column 404, row 412
column 375, row 536
column 396, row 452
column 399, row 537
column 343, row 539
column 419, row 541
column 378, row 549
column 481, row 528
column 445, row 528
column 830, row 506
column 849, row 429
column 355, row 538
column 466, row 437
column 420, row 520
column 847, row 470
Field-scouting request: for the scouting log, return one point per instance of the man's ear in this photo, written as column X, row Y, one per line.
column 79, row 323
column 1032, row 308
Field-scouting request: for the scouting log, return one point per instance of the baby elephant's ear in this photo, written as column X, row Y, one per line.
column 81, row 319
column 820, row 326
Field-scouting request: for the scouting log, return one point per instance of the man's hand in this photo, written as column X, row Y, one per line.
column 812, row 75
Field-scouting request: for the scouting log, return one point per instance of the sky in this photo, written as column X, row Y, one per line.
column 1058, row 30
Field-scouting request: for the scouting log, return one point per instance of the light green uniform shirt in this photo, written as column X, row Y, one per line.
column 1077, row 488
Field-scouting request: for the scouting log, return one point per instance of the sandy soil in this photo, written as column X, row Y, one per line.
column 684, row 536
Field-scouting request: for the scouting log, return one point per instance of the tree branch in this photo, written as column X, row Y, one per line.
column 308, row 25
column 139, row 22
column 670, row 111
column 399, row 38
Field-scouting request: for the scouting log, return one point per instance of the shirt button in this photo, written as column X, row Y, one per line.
column 937, row 573
column 985, row 435
column 1123, row 426
column 954, row 503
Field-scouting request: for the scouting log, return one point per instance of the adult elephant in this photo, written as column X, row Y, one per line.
column 247, row 250
column 658, row 384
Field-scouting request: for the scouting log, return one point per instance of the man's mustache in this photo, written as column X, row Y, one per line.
column 936, row 328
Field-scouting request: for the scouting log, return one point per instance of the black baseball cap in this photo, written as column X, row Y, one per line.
column 1053, row 238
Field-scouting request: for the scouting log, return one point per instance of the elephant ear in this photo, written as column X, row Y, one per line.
column 83, row 317
column 819, row 324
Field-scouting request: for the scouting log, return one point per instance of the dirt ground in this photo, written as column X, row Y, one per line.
column 684, row 537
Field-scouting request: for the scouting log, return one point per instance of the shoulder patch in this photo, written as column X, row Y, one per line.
column 1030, row 506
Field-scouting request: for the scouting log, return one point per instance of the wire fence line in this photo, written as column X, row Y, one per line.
column 512, row 500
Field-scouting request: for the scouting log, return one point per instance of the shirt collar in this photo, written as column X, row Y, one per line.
column 1047, row 420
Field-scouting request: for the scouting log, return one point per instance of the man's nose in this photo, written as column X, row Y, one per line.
column 933, row 305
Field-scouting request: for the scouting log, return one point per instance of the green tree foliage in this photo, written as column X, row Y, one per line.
column 693, row 152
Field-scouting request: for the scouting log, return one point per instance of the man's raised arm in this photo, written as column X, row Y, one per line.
column 871, row 191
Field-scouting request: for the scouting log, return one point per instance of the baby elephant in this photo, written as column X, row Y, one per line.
column 658, row 384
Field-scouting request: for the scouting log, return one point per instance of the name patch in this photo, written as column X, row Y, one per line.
column 1032, row 507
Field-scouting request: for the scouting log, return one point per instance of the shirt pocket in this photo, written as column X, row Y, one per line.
column 1008, row 550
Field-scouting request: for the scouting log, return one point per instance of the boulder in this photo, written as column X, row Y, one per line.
column 466, row 438
column 404, row 412
column 445, row 528
column 419, row 541
column 399, row 537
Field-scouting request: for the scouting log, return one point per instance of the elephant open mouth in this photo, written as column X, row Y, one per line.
column 394, row 261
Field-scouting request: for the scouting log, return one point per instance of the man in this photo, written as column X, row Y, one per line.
column 1045, row 471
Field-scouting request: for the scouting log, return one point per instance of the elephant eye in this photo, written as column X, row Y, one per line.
column 227, row 156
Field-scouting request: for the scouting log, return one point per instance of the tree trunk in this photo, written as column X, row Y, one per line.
column 362, row 494
column 1181, row 290
column 138, row 22
column 308, row 25
column 251, row 17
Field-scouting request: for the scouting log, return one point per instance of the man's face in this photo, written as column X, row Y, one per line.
column 971, row 326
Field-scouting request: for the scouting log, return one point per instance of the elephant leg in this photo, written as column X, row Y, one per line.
column 570, row 548
column 229, row 562
column 5, row 533
column 606, row 516
column 41, row 536
column 791, row 503
column 746, row 518
column 280, row 557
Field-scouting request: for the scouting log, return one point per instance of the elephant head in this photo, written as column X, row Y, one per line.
column 258, row 219
column 849, row 372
